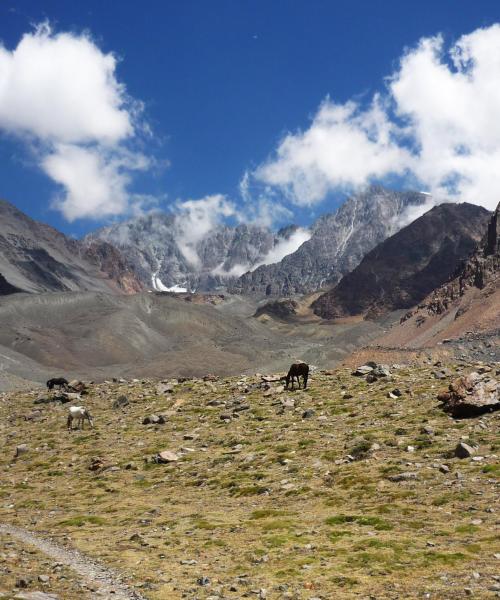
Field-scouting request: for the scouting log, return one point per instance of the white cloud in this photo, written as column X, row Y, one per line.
column 344, row 147
column 60, row 91
column 285, row 247
column 439, row 122
column 196, row 219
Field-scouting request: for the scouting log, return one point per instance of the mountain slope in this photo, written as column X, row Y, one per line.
column 403, row 269
column 468, row 302
column 337, row 244
column 35, row 257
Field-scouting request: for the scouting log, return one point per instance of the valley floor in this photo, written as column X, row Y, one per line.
column 339, row 491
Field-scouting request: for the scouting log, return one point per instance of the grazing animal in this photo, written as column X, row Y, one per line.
column 297, row 370
column 80, row 413
column 59, row 381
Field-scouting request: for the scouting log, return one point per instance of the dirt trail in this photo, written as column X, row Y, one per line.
column 103, row 581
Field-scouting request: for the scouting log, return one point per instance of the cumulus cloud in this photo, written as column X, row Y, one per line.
column 60, row 91
column 437, row 123
column 196, row 219
column 344, row 147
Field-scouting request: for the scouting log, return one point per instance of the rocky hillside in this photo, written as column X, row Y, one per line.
column 480, row 271
column 401, row 271
column 236, row 488
column 35, row 257
column 164, row 260
column 338, row 243
column 463, row 314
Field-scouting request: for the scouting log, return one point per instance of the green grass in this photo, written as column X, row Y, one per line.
column 375, row 522
column 82, row 520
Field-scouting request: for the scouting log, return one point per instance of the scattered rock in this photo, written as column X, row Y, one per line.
column 407, row 476
column 307, row 414
column 463, row 450
column 154, row 420
column 166, row 456
column 21, row 449
column 164, row 388
column 121, row 402
column 96, row 463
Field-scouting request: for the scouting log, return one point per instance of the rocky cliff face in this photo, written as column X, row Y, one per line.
column 337, row 244
column 154, row 244
column 110, row 261
column 35, row 257
column 401, row 271
column 481, row 270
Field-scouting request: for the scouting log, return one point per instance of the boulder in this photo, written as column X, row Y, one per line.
column 470, row 396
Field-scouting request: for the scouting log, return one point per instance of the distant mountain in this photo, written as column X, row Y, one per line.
column 35, row 257
column 338, row 243
column 154, row 245
column 401, row 271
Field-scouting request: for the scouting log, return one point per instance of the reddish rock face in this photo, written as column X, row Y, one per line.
column 403, row 270
column 113, row 265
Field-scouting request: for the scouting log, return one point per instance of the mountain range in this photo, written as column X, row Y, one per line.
column 154, row 251
column 236, row 258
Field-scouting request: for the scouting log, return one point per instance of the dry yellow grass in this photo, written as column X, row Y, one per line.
column 268, row 500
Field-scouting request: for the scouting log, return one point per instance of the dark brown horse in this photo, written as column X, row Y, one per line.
column 297, row 370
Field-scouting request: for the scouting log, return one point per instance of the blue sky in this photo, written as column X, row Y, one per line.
column 221, row 85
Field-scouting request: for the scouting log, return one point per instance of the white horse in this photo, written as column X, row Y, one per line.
column 80, row 413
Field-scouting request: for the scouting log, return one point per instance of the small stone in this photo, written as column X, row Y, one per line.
column 203, row 581
column 43, row 578
column 21, row 449
column 444, row 469
column 407, row 476
column 121, row 402
column 463, row 450
column 307, row 414
column 167, row 456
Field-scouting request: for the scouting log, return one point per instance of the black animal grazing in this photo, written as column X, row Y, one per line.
column 296, row 370
column 59, row 381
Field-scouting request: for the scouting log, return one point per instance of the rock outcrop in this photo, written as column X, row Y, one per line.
column 481, row 270
column 471, row 396
column 402, row 270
